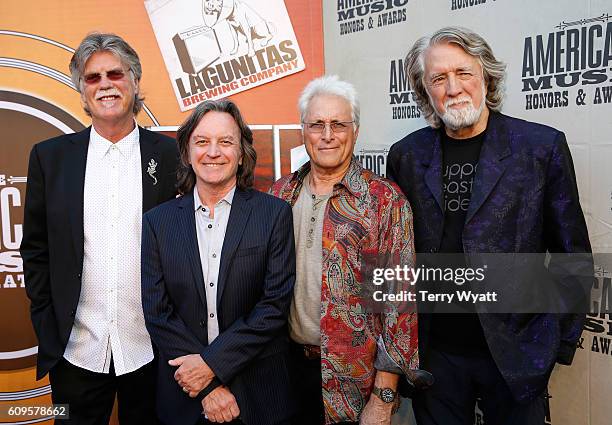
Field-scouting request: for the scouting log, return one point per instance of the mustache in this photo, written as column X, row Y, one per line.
column 452, row 102
column 107, row 92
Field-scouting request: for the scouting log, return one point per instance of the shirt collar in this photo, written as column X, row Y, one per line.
column 353, row 181
column 197, row 202
column 100, row 146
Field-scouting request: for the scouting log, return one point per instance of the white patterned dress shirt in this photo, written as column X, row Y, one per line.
column 109, row 321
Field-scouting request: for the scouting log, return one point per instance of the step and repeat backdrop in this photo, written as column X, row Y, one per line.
column 559, row 57
column 559, row 72
column 188, row 54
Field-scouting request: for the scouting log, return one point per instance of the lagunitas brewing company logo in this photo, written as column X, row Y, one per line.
column 599, row 321
column 216, row 48
column 401, row 98
column 374, row 160
column 364, row 15
column 32, row 120
column 569, row 66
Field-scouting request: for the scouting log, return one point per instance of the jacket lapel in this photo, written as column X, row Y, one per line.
column 150, row 164
column 239, row 216
column 433, row 175
column 75, row 187
column 187, row 228
column 495, row 147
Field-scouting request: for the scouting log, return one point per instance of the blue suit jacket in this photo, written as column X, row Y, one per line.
column 524, row 200
column 256, row 277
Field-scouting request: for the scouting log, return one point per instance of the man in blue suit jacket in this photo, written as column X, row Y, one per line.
column 481, row 182
column 218, row 268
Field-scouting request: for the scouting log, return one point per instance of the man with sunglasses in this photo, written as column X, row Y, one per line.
column 85, row 198
column 346, row 362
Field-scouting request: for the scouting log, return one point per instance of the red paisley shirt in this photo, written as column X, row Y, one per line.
column 366, row 215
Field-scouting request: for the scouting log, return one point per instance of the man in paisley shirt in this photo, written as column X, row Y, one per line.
column 482, row 182
column 346, row 362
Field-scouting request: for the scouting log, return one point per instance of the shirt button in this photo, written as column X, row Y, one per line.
column 312, row 219
column 211, row 284
column 314, row 197
column 210, row 226
column 212, row 315
column 214, row 255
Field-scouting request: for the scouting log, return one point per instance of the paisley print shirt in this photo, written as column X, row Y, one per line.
column 366, row 215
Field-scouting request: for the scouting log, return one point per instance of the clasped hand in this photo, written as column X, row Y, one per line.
column 220, row 405
column 193, row 374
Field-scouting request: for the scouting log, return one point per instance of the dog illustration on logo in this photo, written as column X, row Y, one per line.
column 241, row 18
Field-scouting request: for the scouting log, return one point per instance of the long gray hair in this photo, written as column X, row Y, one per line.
column 494, row 71
column 101, row 42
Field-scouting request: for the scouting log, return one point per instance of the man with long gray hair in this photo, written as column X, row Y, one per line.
column 81, row 241
column 482, row 182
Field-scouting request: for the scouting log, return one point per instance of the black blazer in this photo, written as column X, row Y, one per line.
column 255, row 286
column 52, row 244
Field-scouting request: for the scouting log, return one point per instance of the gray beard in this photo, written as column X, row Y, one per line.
column 456, row 119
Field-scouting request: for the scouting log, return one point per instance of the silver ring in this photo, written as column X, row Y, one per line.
column 185, row 389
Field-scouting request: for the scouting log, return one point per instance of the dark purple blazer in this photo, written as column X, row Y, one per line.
column 524, row 200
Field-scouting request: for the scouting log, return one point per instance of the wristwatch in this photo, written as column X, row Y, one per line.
column 385, row 394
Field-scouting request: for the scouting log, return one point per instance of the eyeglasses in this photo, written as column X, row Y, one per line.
column 336, row 126
column 113, row 75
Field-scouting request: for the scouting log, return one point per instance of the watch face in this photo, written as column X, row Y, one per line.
column 387, row 395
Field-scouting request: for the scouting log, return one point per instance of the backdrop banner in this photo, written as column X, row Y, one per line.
column 559, row 73
column 258, row 41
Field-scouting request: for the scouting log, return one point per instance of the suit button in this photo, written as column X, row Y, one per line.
column 72, row 313
column 202, row 323
column 433, row 250
column 78, row 275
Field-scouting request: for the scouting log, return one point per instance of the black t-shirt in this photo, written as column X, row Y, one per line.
column 459, row 333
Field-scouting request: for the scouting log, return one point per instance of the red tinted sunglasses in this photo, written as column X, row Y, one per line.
column 113, row 75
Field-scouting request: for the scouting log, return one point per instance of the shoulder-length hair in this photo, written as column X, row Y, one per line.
column 102, row 42
column 493, row 71
column 246, row 171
